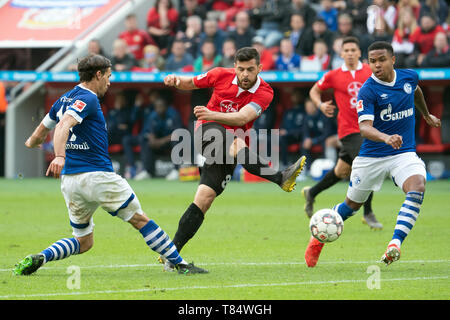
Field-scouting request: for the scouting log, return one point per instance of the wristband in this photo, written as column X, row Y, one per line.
column 61, row 157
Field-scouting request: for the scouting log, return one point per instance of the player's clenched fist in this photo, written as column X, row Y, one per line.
column 432, row 121
column 202, row 113
column 172, row 80
column 395, row 141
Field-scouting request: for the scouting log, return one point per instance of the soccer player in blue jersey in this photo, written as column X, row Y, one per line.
column 386, row 117
column 87, row 177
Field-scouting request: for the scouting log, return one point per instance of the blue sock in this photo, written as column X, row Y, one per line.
column 409, row 212
column 160, row 242
column 344, row 210
column 61, row 249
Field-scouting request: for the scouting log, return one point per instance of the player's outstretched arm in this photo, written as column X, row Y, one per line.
column 180, row 82
column 421, row 105
column 59, row 144
column 238, row 119
column 38, row 136
column 371, row 133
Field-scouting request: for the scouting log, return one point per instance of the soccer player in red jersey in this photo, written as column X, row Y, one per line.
column 346, row 82
column 239, row 97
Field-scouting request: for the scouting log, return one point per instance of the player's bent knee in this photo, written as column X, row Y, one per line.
column 139, row 220
column 414, row 183
column 204, row 198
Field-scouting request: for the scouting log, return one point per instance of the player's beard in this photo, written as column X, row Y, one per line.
column 246, row 85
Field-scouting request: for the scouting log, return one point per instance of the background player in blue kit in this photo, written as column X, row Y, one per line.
column 386, row 117
column 87, row 177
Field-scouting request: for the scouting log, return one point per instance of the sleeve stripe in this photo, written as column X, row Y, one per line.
column 74, row 114
column 48, row 122
column 366, row 117
column 256, row 107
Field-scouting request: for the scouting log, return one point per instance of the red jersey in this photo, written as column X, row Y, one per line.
column 229, row 97
column 346, row 85
column 137, row 40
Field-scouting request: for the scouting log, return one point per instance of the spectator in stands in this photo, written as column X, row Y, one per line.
column 288, row 60
column 119, row 120
column 291, row 128
column 439, row 56
column 357, row 10
column 228, row 52
column 139, row 132
column 244, row 33
column 336, row 59
column 437, row 8
column 212, row 32
column 135, row 38
column 179, row 60
column 329, row 13
column 255, row 13
column 413, row 5
column 191, row 37
column 296, row 31
column 382, row 32
column 319, row 60
column 121, row 60
column 381, row 12
column 208, row 59
column 318, row 31
column 298, row 6
column 162, row 122
column 318, row 130
column 190, row 8
column 93, row 47
column 423, row 39
column 266, row 55
column 162, row 21
column 272, row 19
column 152, row 62
column 403, row 47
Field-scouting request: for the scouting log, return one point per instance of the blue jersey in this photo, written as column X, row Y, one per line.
column 87, row 144
column 391, row 108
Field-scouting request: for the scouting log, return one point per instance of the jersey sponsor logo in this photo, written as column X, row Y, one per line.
column 352, row 90
column 228, row 106
column 359, row 106
column 387, row 115
column 77, row 146
column 384, row 96
column 407, row 87
column 79, row 105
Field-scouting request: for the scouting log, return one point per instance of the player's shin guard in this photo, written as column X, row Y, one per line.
column 61, row 249
column 344, row 210
column 188, row 226
column 255, row 165
column 409, row 212
column 160, row 242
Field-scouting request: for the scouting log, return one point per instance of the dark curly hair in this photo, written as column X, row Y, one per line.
column 88, row 66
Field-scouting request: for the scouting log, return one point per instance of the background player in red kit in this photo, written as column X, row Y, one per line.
column 239, row 97
column 346, row 82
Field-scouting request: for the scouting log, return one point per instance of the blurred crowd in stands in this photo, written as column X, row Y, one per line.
column 291, row 35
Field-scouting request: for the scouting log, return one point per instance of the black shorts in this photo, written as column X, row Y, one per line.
column 217, row 171
column 350, row 147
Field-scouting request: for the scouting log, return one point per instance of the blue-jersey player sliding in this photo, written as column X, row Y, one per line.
column 386, row 119
column 87, row 177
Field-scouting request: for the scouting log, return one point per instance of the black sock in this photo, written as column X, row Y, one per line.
column 368, row 204
column 327, row 181
column 247, row 159
column 189, row 224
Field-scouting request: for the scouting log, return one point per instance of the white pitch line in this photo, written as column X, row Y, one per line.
column 242, row 285
column 118, row 266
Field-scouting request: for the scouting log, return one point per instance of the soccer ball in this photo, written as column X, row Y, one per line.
column 326, row 225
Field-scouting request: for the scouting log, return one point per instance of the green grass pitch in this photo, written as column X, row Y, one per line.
column 252, row 241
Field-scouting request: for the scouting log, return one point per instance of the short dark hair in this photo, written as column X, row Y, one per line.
column 381, row 45
column 247, row 54
column 88, row 66
column 350, row 40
